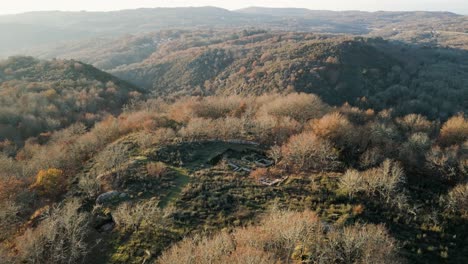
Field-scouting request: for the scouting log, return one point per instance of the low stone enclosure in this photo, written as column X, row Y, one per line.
column 240, row 156
column 245, row 160
column 271, row 182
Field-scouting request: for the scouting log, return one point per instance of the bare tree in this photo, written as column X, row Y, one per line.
column 60, row 238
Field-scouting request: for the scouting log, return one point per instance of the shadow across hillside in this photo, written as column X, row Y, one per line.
column 368, row 73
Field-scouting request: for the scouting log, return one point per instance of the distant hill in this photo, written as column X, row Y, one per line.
column 40, row 29
column 382, row 23
column 277, row 11
column 82, row 25
column 38, row 96
column 251, row 136
column 134, row 19
column 396, row 15
column 107, row 53
column 19, row 36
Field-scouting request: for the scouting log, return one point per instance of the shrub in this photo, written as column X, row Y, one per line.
column 334, row 127
column 308, row 152
column 370, row 158
column 414, row 123
column 199, row 128
column 156, row 169
column 113, row 159
column 144, row 139
column 182, row 110
column 132, row 217
column 90, row 185
column 9, row 211
column 384, row 182
column 5, row 255
column 270, row 129
column 358, row 244
column 107, row 130
column 242, row 255
column 288, row 229
column 8, row 147
column 284, row 236
column 448, row 164
column 50, row 182
column 276, row 236
column 412, row 152
column 214, row 107
column 275, row 153
column 164, row 135
column 10, row 187
column 382, row 132
column 356, row 115
column 259, row 173
column 9, row 167
column 135, row 121
column 454, row 131
column 299, row 106
column 199, row 250
column 457, row 200
column 352, row 182
column 59, row 238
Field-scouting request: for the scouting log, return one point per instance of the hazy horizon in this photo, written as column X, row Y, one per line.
column 22, row 6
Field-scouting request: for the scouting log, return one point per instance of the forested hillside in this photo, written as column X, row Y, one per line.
column 365, row 72
column 369, row 73
column 42, row 96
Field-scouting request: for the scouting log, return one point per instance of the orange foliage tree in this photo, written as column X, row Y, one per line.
column 334, row 127
column 454, row 131
column 50, row 182
column 306, row 151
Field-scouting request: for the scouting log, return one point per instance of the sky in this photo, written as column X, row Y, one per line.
column 19, row 6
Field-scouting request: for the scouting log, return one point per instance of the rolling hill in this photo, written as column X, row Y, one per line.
column 45, row 28
column 363, row 72
column 39, row 96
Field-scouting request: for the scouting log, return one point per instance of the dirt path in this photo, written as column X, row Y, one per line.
column 181, row 180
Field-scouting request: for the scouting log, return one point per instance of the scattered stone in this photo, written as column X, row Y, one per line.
column 271, row 182
column 141, row 158
column 107, row 197
column 107, row 227
column 264, row 163
column 101, row 219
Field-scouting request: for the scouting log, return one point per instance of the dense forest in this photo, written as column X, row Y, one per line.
column 370, row 73
column 42, row 96
column 235, row 144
